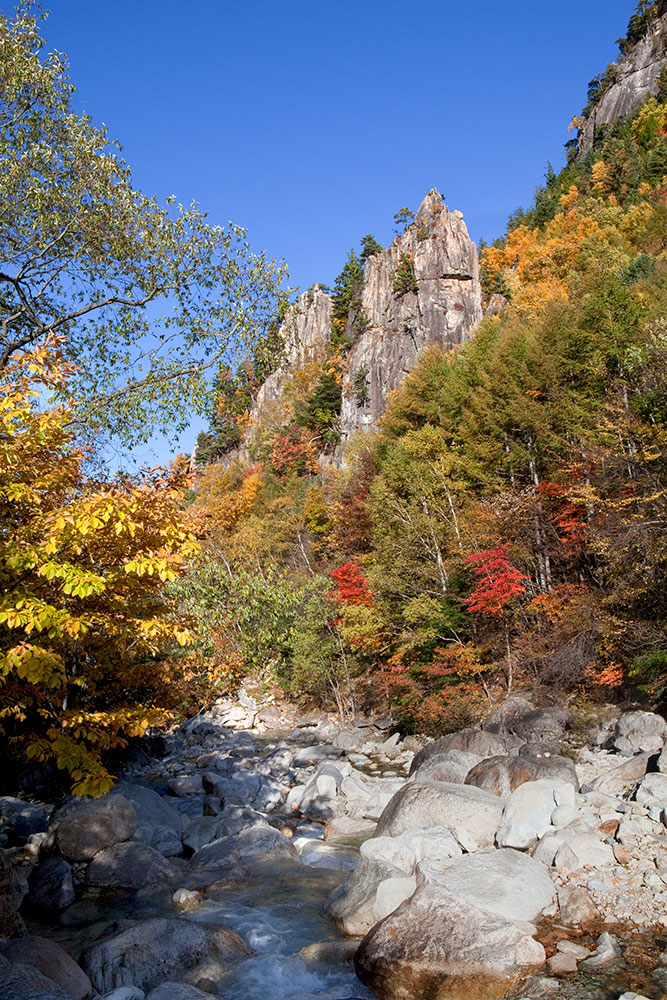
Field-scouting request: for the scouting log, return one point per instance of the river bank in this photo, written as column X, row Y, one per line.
column 270, row 863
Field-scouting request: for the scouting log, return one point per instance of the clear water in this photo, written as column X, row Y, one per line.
column 278, row 911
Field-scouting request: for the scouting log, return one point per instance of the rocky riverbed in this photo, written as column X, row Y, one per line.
column 337, row 863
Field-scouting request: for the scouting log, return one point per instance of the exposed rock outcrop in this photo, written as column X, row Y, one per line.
column 634, row 79
column 438, row 302
column 442, row 307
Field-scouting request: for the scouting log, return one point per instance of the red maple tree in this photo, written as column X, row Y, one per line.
column 498, row 581
column 351, row 585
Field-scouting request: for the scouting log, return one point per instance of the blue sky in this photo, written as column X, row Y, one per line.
column 311, row 123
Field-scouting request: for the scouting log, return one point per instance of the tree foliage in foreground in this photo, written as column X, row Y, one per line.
column 151, row 300
column 83, row 564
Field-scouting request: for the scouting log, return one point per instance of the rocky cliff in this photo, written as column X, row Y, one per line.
column 423, row 289
column 442, row 306
column 634, row 78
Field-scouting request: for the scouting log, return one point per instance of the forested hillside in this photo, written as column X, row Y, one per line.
column 503, row 528
column 506, row 526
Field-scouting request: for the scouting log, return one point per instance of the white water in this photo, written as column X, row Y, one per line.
column 278, row 911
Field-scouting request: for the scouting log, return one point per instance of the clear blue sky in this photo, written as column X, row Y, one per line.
column 310, row 122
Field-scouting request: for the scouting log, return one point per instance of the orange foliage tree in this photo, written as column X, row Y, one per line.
column 82, row 567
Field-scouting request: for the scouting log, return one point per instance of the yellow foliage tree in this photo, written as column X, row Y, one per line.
column 82, row 567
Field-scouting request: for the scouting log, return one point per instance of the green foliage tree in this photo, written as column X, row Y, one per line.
column 369, row 247
column 346, row 299
column 146, row 297
column 402, row 219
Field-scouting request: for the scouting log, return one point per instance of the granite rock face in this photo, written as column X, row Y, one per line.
column 636, row 77
column 442, row 305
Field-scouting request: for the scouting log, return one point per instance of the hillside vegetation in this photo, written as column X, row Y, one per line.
column 506, row 526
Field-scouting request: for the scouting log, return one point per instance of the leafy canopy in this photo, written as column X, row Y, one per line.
column 146, row 296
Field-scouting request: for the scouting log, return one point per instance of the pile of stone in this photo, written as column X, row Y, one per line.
column 487, row 858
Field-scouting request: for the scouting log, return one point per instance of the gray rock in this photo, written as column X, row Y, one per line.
column 622, row 778
column 472, row 814
column 257, row 842
column 452, row 765
column 653, row 790
column 435, row 945
column 22, row 982
column 391, row 892
column 201, row 830
column 639, row 731
column 351, row 904
column 50, row 885
column 584, row 849
column 476, row 741
column 89, row 826
column 131, row 866
column 635, row 77
column 512, row 709
column 527, row 815
column 502, row 775
column 541, row 724
column 504, row 883
column 314, row 754
column 52, row 961
column 12, row 890
column 187, row 784
column 410, row 848
column 443, row 307
column 576, row 906
column 125, row 993
column 19, row 819
column 607, row 951
column 151, row 952
column 158, row 825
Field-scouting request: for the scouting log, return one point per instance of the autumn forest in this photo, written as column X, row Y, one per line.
column 503, row 530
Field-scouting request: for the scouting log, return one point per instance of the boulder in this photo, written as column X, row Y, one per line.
column 158, row 825
column 410, row 848
column 125, row 993
column 88, row 826
column 50, row 885
column 639, row 731
column 184, row 785
column 502, row 775
column 452, row 765
column 512, row 709
column 541, row 724
column 582, row 850
column 52, row 961
column 436, row 945
column 151, row 952
column 351, row 904
column 491, row 774
column 653, row 789
column 256, row 842
column 620, row 779
column 471, row 814
column 314, row 754
column 527, row 815
column 477, row 741
column 343, row 828
column 12, row 890
column 22, row 982
column 391, row 892
column 503, row 883
column 131, row 866
column 19, row 819
column 576, row 906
